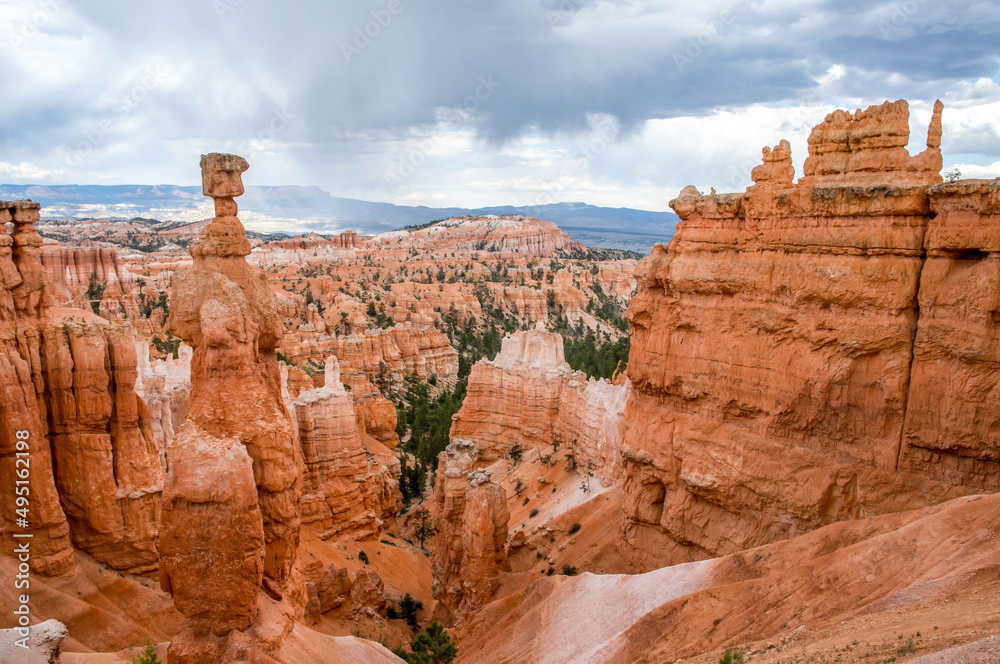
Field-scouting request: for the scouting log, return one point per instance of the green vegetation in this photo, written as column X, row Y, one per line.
column 148, row 655
column 574, row 529
column 424, row 527
column 597, row 361
column 731, row 656
column 432, row 646
column 95, row 293
column 169, row 347
column 406, row 609
column 427, row 419
column 363, row 557
column 568, row 570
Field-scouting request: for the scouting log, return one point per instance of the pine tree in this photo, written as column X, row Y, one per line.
column 148, row 655
column 425, row 528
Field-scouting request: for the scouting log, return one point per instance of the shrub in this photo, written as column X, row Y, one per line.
column 731, row 656
column 574, row 529
column 148, row 655
column 432, row 646
column 568, row 570
column 534, row 513
column 363, row 557
column 406, row 609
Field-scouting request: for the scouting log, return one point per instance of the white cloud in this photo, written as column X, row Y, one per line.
column 25, row 172
column 974, row 171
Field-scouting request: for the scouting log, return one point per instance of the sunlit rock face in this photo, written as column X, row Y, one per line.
column 810, row 352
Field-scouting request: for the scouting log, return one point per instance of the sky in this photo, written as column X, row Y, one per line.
column 474, row 103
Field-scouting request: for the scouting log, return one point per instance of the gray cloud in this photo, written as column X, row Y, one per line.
column 229, row 68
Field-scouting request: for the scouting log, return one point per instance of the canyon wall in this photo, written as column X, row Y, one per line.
column 71, row 420
column 400, row 351
column 816, row 351
column 471, row 519
column 348, row 485
column 530, row 396
column 527, row 236
column 73, row 268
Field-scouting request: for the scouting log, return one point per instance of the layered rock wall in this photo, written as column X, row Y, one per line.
column 471, row 521
column 399, row 351
column 347, row 488
column 529, row 396
column 94, row 473
column 527, row 236
column 806, row 353
column 74, row 268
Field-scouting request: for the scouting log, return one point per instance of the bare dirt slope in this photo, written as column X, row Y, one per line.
column 896, row 586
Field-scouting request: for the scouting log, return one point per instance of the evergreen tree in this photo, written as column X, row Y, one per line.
column 432, row 646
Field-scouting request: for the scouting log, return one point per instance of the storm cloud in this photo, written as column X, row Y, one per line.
column 476, row 103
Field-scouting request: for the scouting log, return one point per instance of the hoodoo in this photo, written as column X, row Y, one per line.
column 232, row 497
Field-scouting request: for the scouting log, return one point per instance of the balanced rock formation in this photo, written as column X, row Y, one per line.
column 71, row 418
column 471, row 520
column 529, row 396
column 813, row 352
column 231, row 501
column 347, row 490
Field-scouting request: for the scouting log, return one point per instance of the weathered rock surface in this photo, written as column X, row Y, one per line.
column 865, row 582
column 107, row 466
column 399, row 351
column 231, row 512
column 530, row 396
column 42, row 645
column 471, row 521
column 514, row 234
column 328, row 587
column 813, row 352
column 87, row 444
column 347, row 488
column 74, row 268
column 165, row 388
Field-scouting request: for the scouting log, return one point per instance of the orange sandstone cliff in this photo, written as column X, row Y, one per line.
column 348, row 483
column 471, row 523
column 810, row 352
column 95, row 477
column 529, row 396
